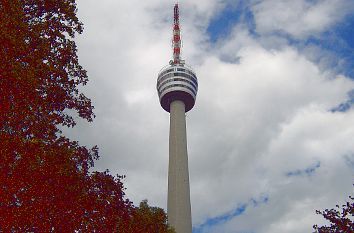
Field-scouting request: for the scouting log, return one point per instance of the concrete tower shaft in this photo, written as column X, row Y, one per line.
column 178, row 203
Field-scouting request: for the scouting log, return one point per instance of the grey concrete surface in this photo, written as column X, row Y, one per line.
column 178, row 204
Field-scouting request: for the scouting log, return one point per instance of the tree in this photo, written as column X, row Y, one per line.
column 42, row 173
column 45, row 183
column 109, row 210
column 112, row 213
column 341, row 219
column 41, row 187
column 148, row 219
column 40, row 73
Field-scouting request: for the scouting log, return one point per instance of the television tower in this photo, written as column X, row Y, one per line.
column 177, row 87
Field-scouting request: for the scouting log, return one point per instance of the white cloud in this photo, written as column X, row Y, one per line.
column 299, row 18
column 260, row 113
column 247, row 105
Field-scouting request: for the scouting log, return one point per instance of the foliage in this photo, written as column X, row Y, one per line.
column 40, row 186
column 341, row 219
column 109, row 210
column 39, row 71
column 45, row 183
column 42, row 173
column 148, row 219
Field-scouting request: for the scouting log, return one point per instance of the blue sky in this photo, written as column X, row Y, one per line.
column 231, row 15
column 337, row 41
column 239, row 210
column 220, row 219
column 270, row 139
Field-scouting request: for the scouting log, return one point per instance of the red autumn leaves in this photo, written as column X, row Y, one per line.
column 45, row 182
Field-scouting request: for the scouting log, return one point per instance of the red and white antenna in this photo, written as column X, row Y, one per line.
column 176, row 41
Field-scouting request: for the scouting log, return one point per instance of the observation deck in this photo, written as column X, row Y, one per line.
column 177, row 82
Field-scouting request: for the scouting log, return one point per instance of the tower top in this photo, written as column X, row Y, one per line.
column 176, row 39
column 177, row 81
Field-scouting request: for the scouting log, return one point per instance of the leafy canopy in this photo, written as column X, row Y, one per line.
column 45, row 183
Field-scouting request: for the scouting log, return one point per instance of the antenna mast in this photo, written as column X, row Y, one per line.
column 176, row 41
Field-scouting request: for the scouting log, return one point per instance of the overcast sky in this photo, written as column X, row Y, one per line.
column 270, row 139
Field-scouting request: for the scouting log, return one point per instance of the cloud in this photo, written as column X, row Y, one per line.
column 263, row 110
column 247, row 105
column 299, row 19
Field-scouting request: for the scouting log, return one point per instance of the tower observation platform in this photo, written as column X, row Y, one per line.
column 177, row 87
column 177, row 82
